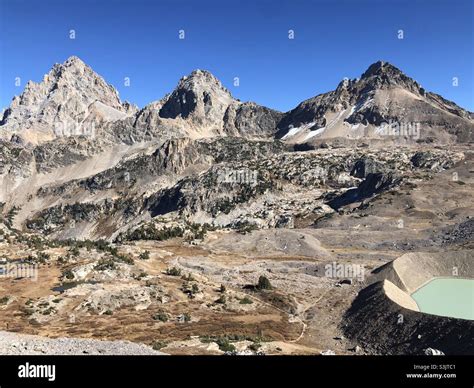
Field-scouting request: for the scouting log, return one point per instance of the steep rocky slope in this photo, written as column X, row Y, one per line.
column 385, row 103
column 199, row 154
column 71, row 100
column 248, row 185
column 203, row 107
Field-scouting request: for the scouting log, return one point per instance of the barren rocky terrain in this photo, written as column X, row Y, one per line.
column 201, row 224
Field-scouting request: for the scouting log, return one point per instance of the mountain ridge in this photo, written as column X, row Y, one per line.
column 72, row 95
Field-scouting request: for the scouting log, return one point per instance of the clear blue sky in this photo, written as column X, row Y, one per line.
column 246, row 39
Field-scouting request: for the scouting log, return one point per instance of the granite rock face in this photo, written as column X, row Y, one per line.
column 70, row 100
column 209, row 109
column 200, row 97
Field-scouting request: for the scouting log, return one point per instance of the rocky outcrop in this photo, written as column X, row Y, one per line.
column 462, row 234
column 251, row 120
column 365, row 166
column 429, row 160
column 171, row 159
column 227, row 182
column 374, row 183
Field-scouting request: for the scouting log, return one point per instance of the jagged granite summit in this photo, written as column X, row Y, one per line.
column 69, row 98
column 206, row 108
column 199, row 96
column 72, row 100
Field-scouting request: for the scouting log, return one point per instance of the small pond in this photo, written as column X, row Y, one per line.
column 449, row 297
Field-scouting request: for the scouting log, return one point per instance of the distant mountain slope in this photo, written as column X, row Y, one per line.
column 362, row 108
column 72, row 100
column 70, row 149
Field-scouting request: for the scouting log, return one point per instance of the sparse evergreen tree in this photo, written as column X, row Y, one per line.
column 264, row 283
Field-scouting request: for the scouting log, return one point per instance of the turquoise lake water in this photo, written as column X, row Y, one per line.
column 448, row 297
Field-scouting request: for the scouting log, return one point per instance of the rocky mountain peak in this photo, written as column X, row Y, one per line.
column 72, row 68
column 359, row 108
column 64, row 98
column 199, row 96
column 201, row 78
column 383, row 74
column 74, row 61
column 208, row 109
column 379, row 68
